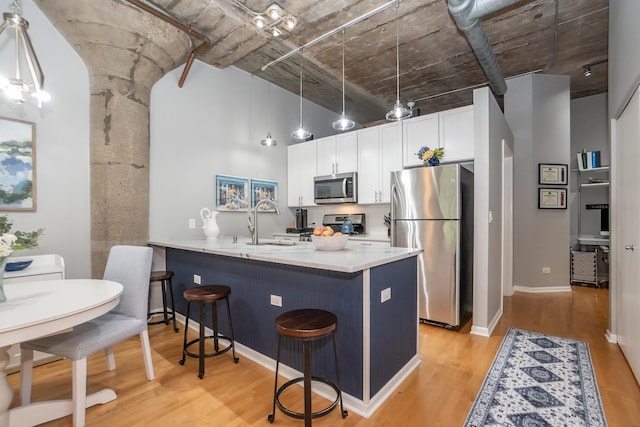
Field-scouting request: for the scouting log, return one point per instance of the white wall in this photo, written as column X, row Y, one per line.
column 213, row 125
column 491, row 129
column 62, row 147
column 589, row 131
column 624, row 61
column 624, row 76
column 537, row 109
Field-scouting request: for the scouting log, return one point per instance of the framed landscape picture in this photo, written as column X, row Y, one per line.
column 260, row 190
column 232, row 193
column 17, row 165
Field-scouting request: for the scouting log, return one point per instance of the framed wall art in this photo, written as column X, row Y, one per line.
column 232, row 193
column 17, row 165
column 552, row 174
column 552, row 198
column 260, row 190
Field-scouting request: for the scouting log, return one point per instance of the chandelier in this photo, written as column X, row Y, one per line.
column 275, row 19
column 22, row 87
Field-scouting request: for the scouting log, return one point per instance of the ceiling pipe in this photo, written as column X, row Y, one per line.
column 467, row 14
column 187, row 29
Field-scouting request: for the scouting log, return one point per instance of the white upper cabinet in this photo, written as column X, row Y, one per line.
column 451, row 129
column 418, row 132
column 379, row 153
column 337, row 153
column 301, row 169
column 456, row 134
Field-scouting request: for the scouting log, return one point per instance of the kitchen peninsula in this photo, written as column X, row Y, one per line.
column 372, row 291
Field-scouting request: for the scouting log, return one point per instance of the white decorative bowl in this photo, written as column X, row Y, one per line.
column 330, row 243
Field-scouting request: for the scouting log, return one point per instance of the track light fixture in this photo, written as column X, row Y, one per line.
column 275, row 19
column 586, row 68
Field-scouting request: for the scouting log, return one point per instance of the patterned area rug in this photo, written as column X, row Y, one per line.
column 539, row 380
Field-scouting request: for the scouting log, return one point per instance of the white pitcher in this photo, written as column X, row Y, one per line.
column 209, row 224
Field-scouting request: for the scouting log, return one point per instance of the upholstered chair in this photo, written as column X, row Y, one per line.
column 130, row 266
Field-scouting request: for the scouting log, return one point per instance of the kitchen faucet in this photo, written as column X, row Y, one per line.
column 253, row 226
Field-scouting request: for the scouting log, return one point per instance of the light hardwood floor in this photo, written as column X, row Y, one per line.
column 439, row 393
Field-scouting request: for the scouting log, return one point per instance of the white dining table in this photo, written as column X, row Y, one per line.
column 39, row 308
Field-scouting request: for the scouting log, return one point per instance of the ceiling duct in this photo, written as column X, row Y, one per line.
column 467, row 14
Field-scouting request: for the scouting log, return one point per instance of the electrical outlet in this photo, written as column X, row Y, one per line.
column 546, row 270
column 196, row 279
column 276, row 300
column 192, row 223
column 385, row 295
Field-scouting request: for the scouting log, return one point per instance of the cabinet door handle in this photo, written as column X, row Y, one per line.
column 629, row 247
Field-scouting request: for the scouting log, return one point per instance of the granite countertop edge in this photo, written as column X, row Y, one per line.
column 352, row 259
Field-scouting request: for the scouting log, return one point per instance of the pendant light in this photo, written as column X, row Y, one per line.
column 301, row 134
column 269, row 141
column 22, row 87
column 398, row 112
column 343, row 122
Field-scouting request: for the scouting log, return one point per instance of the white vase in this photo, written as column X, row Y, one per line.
column 210, row 227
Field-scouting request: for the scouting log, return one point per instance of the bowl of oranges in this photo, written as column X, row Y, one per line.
column 325, row 239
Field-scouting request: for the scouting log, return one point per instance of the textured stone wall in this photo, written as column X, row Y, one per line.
column 126, row 51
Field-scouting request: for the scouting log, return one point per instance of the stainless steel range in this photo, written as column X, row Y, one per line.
column 336, row 221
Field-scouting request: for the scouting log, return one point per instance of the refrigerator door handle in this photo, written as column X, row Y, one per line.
column 392, row 222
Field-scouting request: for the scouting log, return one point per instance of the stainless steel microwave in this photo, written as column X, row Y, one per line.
column 338, row 188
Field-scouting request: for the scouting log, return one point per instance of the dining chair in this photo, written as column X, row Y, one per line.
column 130, row 266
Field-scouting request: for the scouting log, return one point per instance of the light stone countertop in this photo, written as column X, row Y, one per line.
column 351, row 259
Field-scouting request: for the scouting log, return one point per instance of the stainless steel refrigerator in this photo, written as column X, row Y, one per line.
column 432, row 209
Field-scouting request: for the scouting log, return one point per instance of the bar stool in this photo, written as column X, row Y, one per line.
column 306, row 325
column 164, row 277
column 203, row 295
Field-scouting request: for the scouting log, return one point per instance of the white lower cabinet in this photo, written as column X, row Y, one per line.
column 43, row 267
column 379, row 153
column 301, row 169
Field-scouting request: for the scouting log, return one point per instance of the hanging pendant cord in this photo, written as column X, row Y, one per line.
column 397, row 56
column 343, row 112
column 301, row 88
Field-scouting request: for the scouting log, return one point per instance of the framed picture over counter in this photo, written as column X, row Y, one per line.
column 260, row 190
column 552, row 174
column 552, row 198
column 232, row 193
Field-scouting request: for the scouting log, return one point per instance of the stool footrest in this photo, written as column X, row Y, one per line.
column 170, row 316
column 300, row 415
column 215, row 353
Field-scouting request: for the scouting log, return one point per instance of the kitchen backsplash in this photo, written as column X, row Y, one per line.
column 374, row 215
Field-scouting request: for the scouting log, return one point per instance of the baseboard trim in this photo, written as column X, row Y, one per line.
column 537, row 290
column 611, row 337
column 360, row 407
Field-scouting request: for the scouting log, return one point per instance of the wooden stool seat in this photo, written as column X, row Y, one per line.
column 203, row 295
column 207, row 293
column 164, row 277
column 306, row 325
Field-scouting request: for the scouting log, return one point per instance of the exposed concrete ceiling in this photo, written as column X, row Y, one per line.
column 437, row 67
